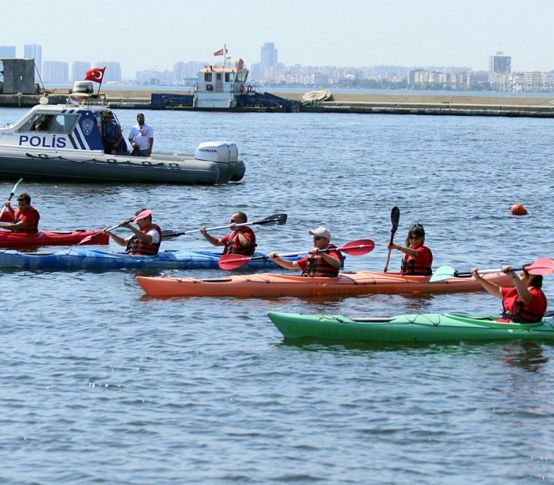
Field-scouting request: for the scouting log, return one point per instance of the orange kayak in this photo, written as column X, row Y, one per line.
column 269, row 285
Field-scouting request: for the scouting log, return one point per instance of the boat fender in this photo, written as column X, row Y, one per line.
column 209, row 87
column 173, row 165
column 241, row 88
column 146, row 162
column 111, row 160
column 43, row 156
column 249, row 89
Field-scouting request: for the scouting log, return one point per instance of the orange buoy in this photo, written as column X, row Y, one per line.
column 518, row 210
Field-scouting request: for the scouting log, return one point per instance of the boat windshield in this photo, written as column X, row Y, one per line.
column 50, row 123
column 241, row 76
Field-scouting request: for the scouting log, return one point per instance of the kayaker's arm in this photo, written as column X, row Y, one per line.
column 490, row 287
column 522, row 290
column 143, row 236
column 281, row 262
column 213, row 240
column 244, row 241
column 405, row 250
column 9, row 208
column 118, row 239
column 15, row 226
column 330, row 259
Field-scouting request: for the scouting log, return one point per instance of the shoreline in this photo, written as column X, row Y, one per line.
column 391, row 103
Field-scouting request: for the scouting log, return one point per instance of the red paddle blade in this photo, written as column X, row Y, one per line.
column 85, row 240
column 359, row 247
column 541, row 266
column 232, row 261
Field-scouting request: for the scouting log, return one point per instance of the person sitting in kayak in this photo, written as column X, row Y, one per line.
column 25, row 217
column 241, row 239
column 146, row 239
column 418, row 258
column 524, row 303
column 323, row 260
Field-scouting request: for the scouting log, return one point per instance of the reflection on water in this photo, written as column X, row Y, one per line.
column 206, row 388
column 526, row 355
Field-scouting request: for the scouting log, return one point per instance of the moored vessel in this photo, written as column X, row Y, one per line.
column 63, row 142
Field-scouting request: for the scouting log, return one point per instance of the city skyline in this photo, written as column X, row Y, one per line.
column 367, row 33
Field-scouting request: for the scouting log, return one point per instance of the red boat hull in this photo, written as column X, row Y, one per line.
column 49, row 238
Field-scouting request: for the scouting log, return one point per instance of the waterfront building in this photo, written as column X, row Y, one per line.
column 7, row 52
column 183, row 71
column 500, row 64
column 269, row 63
column 55, row 72
column 79, row 69
column 112, row 72
column 34, row 51
column 154, row 77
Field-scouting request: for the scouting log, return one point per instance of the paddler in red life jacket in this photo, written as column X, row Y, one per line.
column 418, row 258
column 524, row 303
column 324, row 260
column 146, row 239
column 241, row 239
column 25, row 217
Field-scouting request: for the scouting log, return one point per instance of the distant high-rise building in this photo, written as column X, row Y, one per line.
column 268, row 56
column 112, row 72
column 186, row 70
column 79, row 69
column 55, row 72
column 34, row 51
column 500, row 64
column 7, row 52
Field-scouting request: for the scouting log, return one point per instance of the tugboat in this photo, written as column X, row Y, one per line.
column 220, row 86
column 224, row 87
column 63, row 142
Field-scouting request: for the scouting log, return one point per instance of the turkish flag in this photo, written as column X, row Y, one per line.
column 220, row 52
column 95, row 74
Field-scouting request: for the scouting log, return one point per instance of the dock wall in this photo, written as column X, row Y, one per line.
column 424, row 104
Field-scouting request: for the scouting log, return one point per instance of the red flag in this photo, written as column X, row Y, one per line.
column 220, row 52
column 95, row 74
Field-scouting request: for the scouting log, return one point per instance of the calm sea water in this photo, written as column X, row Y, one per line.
column 101, row 385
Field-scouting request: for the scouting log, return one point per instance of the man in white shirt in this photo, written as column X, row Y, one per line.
column 141, row 137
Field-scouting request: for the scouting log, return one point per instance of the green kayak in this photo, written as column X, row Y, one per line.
column 429, row 327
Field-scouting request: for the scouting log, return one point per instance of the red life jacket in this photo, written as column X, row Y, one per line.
column 136, row 246
column 317, row 266
column 419, row 265
column 31, row 216
column 234, row 246
column 515, row 310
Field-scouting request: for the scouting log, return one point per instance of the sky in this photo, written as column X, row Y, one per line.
column 155, row 34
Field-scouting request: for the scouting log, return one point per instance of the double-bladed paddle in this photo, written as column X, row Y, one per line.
column 541, row 266
column 394, row 219
column 273, row 220
column 140, row 215
column 12, row 193
column 352, row 248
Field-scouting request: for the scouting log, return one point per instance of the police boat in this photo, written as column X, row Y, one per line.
column 64, row 142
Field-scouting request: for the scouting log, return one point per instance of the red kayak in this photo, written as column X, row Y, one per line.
column 50, row 238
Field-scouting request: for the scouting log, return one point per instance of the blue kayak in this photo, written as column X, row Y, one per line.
column 80, row 258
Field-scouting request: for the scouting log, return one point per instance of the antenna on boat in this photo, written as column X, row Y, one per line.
column 225, row 56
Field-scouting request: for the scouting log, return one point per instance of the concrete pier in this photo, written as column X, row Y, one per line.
column 393, row 103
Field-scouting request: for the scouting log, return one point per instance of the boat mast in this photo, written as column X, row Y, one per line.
column 225, row 55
